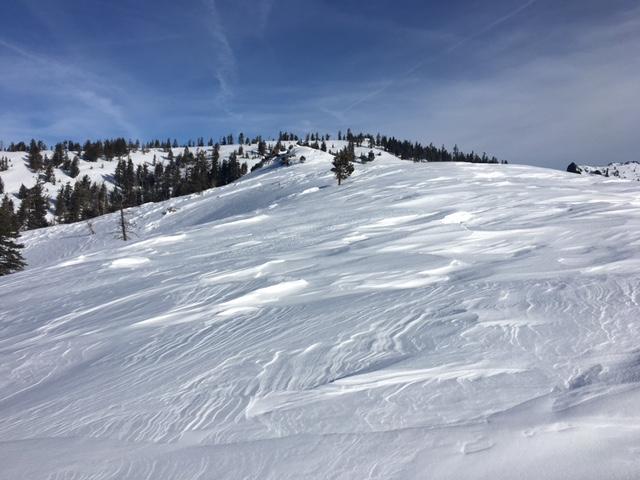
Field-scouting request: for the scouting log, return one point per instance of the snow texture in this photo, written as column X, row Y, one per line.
column 437, row 321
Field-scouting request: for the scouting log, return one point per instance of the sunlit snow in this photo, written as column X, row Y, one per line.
column 420, row 321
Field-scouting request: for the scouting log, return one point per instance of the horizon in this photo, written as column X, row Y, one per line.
column 530, row 82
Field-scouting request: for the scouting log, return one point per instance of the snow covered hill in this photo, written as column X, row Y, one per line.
column 101, row 171
column 625, row 171
column 420, row 321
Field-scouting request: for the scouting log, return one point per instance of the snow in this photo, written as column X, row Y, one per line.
column 419, row 321
column 101, row 171
column 457, row 217
column 624, row 171
column 130, row 262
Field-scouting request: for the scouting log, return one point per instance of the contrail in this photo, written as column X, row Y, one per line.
column 84, row 86
column 226, row 56
column 447, row 51
column 22, row 52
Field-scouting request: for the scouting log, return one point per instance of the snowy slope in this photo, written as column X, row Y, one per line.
column 625, row 171
column 420, row 321
column 101, row 171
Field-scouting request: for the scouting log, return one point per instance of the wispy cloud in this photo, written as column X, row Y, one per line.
column 573, row 104
column 226, row 63
column 447, row 51
column 37, row 73
column 264, row 14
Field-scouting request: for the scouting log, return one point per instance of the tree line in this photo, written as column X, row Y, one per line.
column 118, row 147
column 183, row 174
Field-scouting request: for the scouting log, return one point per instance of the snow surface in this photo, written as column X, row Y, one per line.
column 420, row 321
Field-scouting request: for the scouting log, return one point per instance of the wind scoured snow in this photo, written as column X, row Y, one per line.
column 419, row 321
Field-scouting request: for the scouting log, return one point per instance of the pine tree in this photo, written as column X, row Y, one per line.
column 23, row 192
column 33, row 209
column 62, row 202
column 74, row 169
column 40, row 208
column 123, row 224
column 35, row 157
column 58, row 155
column 234, row 168
column 11, row 259
column 262, row 147
column 350, row 151
column 49, row 176
column 342, row 166
column 214, row 172
column 125, row 227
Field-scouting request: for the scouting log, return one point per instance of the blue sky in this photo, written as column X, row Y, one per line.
column 543, row 82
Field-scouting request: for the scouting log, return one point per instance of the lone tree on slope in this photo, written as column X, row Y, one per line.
column 342, row 166
column 125, row 226
column 10, row 257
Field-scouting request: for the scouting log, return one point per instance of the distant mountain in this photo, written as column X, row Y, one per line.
column 625, row 171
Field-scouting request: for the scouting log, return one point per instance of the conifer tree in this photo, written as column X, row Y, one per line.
column 22, row 192
column 35, row 157
column 11, row 259
column 122, row 224
column 214, row 172
column 33, row 209
column 58, row 155
column 62, row 202
column 49, row 176
column 125, row 226
column 40, row 204
column 262, row 147
column 74, row 169
column 342, row 166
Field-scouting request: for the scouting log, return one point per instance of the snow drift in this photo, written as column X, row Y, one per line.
column 420, row 321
